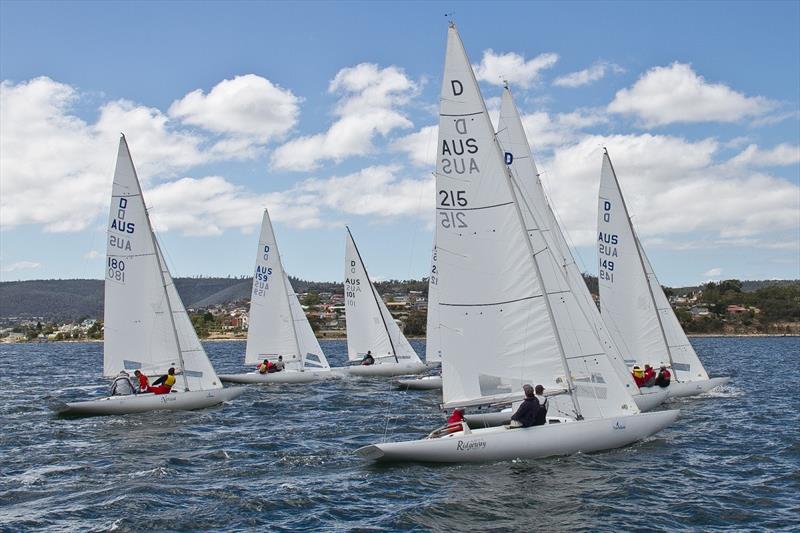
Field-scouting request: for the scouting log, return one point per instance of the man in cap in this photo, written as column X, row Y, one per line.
column 525, row 416
column 541, row 414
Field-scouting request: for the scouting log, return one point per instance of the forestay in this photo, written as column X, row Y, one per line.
column 277, row 325
column 433, row 347
column 632, row 301
column 370, row 326
column 582, row 313
column 145, row 323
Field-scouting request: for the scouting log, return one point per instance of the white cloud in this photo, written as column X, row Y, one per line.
column 546, row 131
column 665, row 95
column 588, row 75
column 511, row 67
column 92, row 254
column 715, row 272
column 420, row 146
column 20, row 265
column 369, row 104
column 247, row 106
column 781, row 155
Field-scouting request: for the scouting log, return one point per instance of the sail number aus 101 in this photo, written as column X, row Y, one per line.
column 453, row 219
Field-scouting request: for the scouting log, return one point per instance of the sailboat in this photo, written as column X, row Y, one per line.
column 277, row 325
column 507, row 316
column 433, row 350
column 632, row 301
column 146, row 325
column 535, row 205
column 370, row 326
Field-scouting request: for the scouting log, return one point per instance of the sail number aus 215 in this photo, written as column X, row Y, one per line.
column 453, row 219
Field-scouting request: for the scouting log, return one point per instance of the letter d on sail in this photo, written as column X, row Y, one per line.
column 461, row 127
column 458, row 89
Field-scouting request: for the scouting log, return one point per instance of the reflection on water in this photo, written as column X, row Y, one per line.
column 280, row 458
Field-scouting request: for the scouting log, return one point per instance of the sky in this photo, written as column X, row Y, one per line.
column 325, row 113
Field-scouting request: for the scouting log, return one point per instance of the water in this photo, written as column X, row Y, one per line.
column 280, row 458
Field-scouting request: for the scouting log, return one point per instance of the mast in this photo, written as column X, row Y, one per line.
column 531, row 251
column 374, row 295
column 641, row 262
column 160, row 258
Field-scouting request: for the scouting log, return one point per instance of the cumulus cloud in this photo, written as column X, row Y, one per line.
column 781, row 155
column 588, row 75
column 92, row 254
column 546, row 131
column 715, row 272
column 420, row 146
column 369, row 105
column 511, row 67
column 665, row 95
column 20, row 265
column 247, row 106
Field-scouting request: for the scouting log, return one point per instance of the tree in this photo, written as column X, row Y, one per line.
column 311, row 299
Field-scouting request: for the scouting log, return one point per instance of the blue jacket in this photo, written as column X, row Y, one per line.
column 526, row 413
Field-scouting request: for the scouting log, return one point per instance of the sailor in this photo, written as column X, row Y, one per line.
column 638, row 375
column 164, row 384
column 526, row 412
column 664, row 376
column 280, row 365
column 649, row 376
column 121, row 386
column 263, row 368
column 541, row 414
column 143, row 382
column 368, row 359
column 454, row 422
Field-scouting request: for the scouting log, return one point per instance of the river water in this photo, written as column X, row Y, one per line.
column 280, row 458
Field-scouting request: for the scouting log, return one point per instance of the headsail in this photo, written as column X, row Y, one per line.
column 632, row 301
column 277, row 325
column 146, row 326
column 370, row 326
column 536, row 207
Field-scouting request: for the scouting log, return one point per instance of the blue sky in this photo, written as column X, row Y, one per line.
column 324, row 112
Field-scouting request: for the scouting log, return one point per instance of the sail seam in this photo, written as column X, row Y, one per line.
column 460, row 114
column 495, row 303
column 471, row 208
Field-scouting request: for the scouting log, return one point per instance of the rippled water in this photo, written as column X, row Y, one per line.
column 280, row 458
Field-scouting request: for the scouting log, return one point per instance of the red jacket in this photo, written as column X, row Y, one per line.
column 649, row 374
column 454, row 422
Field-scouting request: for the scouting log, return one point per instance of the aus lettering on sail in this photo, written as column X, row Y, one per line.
column 119, row 234
column 352, row 285
column 261, row 276
column 607, row 247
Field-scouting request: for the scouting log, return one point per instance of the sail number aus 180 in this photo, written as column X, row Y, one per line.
column 116, row 269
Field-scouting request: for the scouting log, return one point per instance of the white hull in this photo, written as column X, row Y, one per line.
column 500, row 443
column 423, row 383
column 651, row 397
column 693, row 388
column 385, row 369
column 287, row 376
column 141, row 403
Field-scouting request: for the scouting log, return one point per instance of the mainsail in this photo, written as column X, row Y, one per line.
column 533, row 199
column 370, row 326
column 277, row 325
column 632, row 301
column 146, row 325
column 507, row 315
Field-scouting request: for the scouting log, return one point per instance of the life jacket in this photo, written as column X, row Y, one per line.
column 263, row 368
column 144, row 383
column 170, row 381
column 454, row 422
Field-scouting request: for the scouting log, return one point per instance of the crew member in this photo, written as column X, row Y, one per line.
column 541, row 414
column 164, row 384
column 143, row 382
column 664, row 377
column 368, row 359
column 121, row 386
column 649, row 376
column 454, row 422
column 526, row 413
column 263, row 368
column 638, row 376
column 280, row 365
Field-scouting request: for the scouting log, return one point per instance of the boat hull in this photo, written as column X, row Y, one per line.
column 423, row 383
column 650, row 398
column 693, row 388
column 385, row 369
column 501, row 443
column 287, row 376
column 142, row 403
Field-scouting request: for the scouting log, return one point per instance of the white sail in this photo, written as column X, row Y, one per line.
column 581, row 307
column 433, row 347
column 632, row 301
column 146, row 326
column 277, row 325
column 370, row 326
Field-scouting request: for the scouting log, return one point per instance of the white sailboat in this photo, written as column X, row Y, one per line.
column 146, row 326
column 507, row 316
column 433, row 350
column 277, row 325
column 535, row 205
column 370, row 326
column 633, row 304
